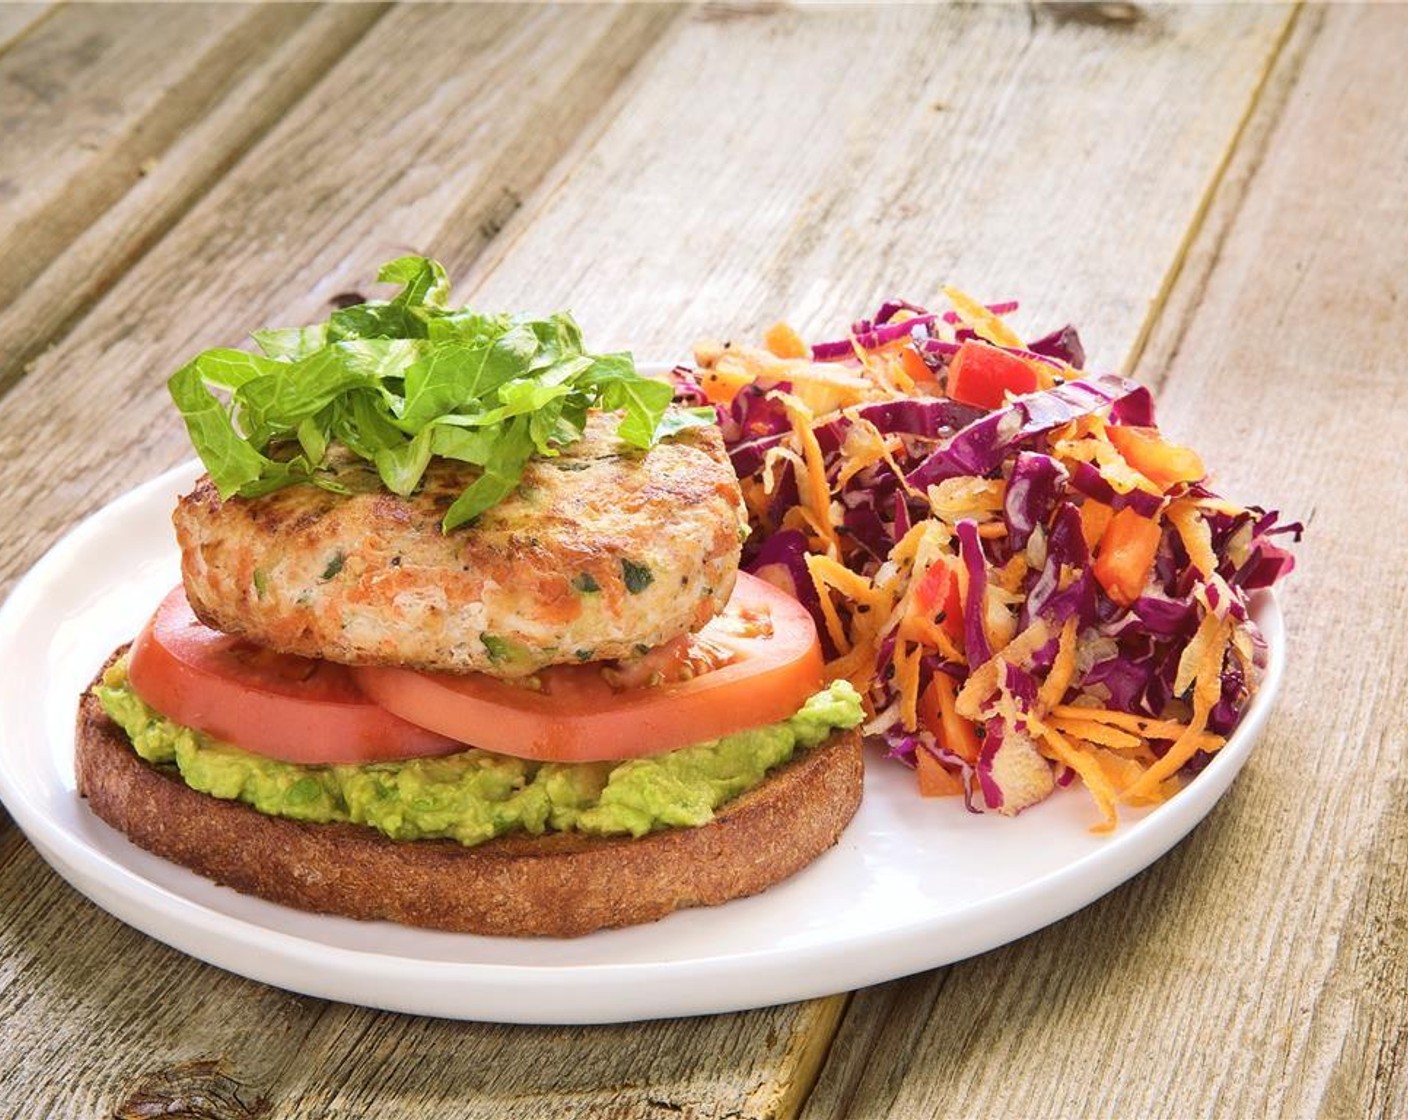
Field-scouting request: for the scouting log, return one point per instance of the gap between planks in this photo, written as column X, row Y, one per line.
column 1160, row 343
column 174, row 180
column 19, row 20
column 1264, row 107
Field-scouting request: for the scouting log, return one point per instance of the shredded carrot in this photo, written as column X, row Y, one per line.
column 848, row 583
column 856, row 666
column 1195, row 534
column 1206, row 691
column 909, row 543
column 1103, row 733
column 1063, row 668
column 983, row 680
column 899, row 374
column 907, row 681
column 783, row 341
column 934, row 779
column 940, row 716
column 1147, row 726
column 1094, row 518
column 807, row 521
column 921, row 628
column 814, row 487
column 984, row 323
column 1054, row 745
column 1197, row 653
column 834, row 629
column 1123, row 771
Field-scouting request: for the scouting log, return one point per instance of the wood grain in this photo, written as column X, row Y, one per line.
column 19, row 19
column 356, row 1064
column 1262, row 967
column 207, row 84
column 707, row 174
column 1036, row 153
column 308, row 215
column 94, row 1011
column 96, row 99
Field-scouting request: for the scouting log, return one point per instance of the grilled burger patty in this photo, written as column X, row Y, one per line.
column 602, row 552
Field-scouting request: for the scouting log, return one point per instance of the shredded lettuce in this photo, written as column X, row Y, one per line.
column 401, row 380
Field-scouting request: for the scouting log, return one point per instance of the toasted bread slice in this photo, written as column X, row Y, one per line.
column 555, row 885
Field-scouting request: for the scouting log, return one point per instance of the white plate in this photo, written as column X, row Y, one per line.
column 912, row 885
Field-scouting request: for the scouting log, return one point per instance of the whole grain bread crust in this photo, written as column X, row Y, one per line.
column 555, row 885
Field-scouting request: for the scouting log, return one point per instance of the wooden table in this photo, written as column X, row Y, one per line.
column 1218, row 196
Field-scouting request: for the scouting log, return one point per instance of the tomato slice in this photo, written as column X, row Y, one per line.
column 770, row 663
column 292, row 708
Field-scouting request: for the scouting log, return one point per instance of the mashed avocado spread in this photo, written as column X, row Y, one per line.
column 475, row 795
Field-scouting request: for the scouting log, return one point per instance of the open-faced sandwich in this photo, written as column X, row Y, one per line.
column 461, row 640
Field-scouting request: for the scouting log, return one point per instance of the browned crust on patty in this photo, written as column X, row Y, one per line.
column 601, row 550
column 556, row 885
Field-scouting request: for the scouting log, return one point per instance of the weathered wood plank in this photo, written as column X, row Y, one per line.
column 832, row 159
column 451, row 139
column 358, row 1064
column 19, row 19
column 128, row 117
column 1305, row 333
column 95, row 1013
column 99, row 99
column 781, row 190
column 1262, row 967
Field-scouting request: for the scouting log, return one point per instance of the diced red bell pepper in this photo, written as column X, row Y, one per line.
column 915, row 366
column 981, row 375
column 937, row 592
column 934, row 780
column 1126, row 555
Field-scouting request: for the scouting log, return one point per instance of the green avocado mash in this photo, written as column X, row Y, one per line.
column 475, row 795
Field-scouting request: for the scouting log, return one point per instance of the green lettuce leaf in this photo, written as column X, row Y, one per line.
column 399, row 381
column 229, row 460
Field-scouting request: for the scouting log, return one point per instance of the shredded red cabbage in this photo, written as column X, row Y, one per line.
column 1128, row 653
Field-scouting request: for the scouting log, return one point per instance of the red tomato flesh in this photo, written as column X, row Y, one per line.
column 292, row 708
column 754, row 665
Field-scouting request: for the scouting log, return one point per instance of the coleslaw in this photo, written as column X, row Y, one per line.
column 1027, row 581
